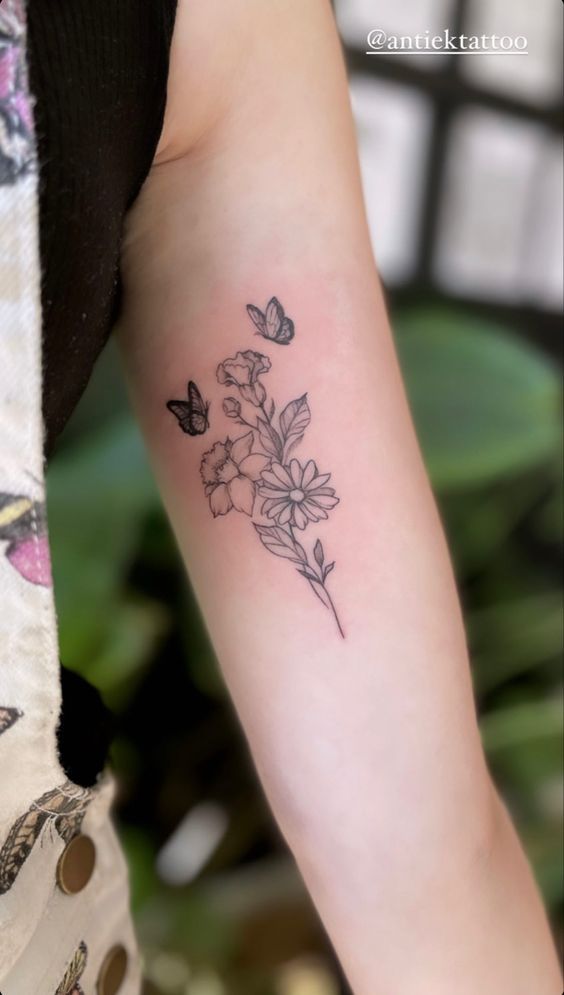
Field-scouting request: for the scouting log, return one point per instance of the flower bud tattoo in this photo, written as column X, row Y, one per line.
column 232, row 407
column 256, row 474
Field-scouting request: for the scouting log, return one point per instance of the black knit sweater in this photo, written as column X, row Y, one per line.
column 98, row 72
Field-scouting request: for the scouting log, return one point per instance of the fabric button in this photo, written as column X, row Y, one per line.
column 76, row 864
column 112, row 971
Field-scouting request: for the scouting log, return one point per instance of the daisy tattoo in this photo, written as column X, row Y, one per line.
column 256, row 474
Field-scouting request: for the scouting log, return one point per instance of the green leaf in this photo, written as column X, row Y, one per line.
column 544, row 847
column 514, row 636
column 99, row 494
column 526, row 723
column 479, row 523
column 486, row 404
column 126, row 640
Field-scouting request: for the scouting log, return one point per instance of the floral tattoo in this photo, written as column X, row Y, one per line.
column 255, row 474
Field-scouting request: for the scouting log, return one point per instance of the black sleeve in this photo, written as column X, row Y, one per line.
column 98, row 73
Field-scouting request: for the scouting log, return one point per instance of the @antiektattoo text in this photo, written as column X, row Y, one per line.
column 256, row 474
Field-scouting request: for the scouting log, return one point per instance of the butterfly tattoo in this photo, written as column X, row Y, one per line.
column 273, row 323
column 192, row 414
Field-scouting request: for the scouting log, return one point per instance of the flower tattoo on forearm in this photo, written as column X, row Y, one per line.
column 256, row 474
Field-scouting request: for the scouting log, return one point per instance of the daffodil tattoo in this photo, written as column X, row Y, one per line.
column 255, row 474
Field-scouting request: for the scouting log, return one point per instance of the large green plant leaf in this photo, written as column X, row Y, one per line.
column 99, row 494
column 486, row 404
column 511, row 637
column 523, row 724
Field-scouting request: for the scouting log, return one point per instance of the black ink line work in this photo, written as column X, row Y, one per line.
column 256, row 473
column 192, row 414
column 273, row 323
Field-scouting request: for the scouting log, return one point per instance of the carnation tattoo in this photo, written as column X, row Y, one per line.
column 255, row 475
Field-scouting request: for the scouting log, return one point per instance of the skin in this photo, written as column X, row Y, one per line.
column 367, row 747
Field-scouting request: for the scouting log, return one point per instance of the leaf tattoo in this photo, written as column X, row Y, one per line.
column 269, row 438
column 281, row 543
column 319, row 556
column 255, row 473
column 294, row 420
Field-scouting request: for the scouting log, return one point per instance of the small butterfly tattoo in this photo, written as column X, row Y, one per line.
column 192, row 414
column 273, row 323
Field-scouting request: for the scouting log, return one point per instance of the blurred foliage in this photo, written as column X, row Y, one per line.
column 486, row 405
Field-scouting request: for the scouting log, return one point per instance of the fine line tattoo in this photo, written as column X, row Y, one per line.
column 192, row 415
column 273, row 324
column 257, row 475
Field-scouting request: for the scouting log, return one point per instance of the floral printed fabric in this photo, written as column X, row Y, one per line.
column 44, row 934
column 17, row 152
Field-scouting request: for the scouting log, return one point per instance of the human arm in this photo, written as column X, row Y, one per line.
column 367, row 745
